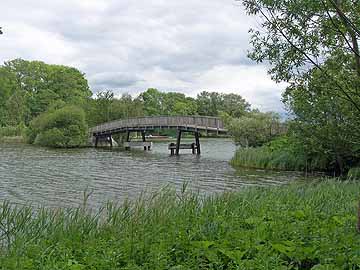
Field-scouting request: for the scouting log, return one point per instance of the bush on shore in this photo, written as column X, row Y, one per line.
column 302, row 226
column 63, row 128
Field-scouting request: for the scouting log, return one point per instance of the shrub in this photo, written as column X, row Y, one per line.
column 254, row 129
column 64, row 127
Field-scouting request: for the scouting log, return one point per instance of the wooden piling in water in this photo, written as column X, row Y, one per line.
column 178, row 141
column 144, row 139
column 197, row 142
column 127, row 139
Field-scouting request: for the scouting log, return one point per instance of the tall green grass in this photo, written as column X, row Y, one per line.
column 265, row 158
column 302, row 226
column 12, row 131
column 354, row 173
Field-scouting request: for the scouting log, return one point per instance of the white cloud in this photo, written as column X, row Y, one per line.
column 128, row 46
column 252, row 82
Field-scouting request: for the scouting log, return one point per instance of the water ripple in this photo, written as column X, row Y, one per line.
column 59, row 177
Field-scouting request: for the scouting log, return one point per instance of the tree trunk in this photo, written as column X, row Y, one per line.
column 358, row 223
column 356, row 51
column 352, row 33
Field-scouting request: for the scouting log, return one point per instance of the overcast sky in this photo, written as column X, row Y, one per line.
column 129, row 46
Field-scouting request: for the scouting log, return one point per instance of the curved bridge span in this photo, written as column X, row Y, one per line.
column 194, row 124
column 190, row 123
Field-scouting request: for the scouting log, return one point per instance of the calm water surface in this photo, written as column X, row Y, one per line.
column 55, row 178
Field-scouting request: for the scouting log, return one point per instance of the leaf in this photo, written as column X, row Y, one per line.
column 203, row 244
column 235, row 255
column 338, row 220
column 324, row 267
column 299, row 214
column 286, row 247
column 77, row 267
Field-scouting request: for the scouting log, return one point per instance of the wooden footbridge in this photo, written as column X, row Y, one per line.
column 193, row 124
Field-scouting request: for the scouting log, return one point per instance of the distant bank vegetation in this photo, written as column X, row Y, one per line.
column 52, row 105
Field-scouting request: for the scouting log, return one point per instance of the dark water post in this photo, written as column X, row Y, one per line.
column 96, row 141
column 143, row 139
column 127, row 139
column 171, row 147
column 197, row 141
column 178, row 141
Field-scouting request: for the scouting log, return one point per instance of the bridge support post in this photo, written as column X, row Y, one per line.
column 143, row 139
column 171, row 147
column 96, row 141
column 110, row 141
column 178, row 141
column 127, row 139
column 197, row 142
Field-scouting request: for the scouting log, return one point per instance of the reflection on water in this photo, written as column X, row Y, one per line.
column 53, row 178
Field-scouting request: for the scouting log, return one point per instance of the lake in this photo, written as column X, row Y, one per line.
column 56, row 177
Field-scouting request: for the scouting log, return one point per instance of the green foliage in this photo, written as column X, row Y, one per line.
column 29, row 88
column 325, row 122
column 65, row 127
column 283, row 153
column 12, row 131
column 299, row 34
column 313, row 45
column 106, row 107
column 255, row 128
column 301, row 226
column 264, row 158
column 215, row 104
column 162, row 103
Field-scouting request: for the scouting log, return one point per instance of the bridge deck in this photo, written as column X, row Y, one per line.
column 190, row 123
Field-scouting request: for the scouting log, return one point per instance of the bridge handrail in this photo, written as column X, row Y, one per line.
column 195, row 121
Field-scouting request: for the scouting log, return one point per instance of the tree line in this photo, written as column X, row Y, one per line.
column 55, row 106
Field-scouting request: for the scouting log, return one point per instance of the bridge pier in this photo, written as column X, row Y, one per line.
column 197, row 142
column 178, row 140
column 107, row 140
column 146, row 147
column 128, row 144
column 127, row 140
column 175, row 148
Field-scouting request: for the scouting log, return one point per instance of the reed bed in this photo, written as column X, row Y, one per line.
column 12, row 131
column 264, row 158
column 300, row 226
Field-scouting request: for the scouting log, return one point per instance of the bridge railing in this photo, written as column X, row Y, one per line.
column 163, row 121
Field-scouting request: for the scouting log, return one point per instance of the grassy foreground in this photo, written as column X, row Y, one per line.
column 302, row 226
